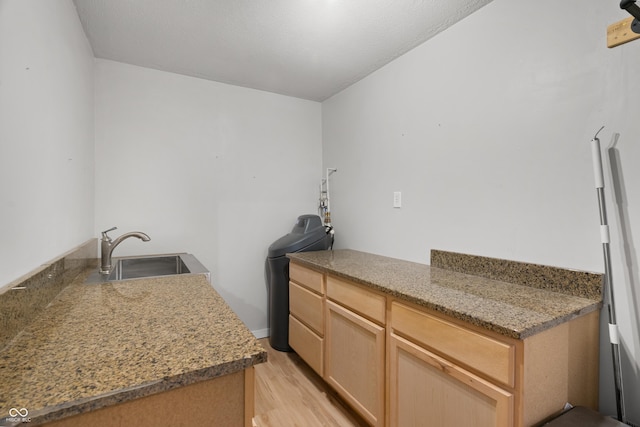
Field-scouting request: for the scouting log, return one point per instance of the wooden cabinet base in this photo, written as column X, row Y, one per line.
column 426, row 390
column 529, row 380
column 400, row 364
column 223, row 401
column 354, row 362
column 560, row 365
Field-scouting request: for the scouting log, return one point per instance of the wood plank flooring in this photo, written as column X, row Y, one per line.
column 290, row 394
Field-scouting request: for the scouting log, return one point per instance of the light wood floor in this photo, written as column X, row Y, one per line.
column 290, row 394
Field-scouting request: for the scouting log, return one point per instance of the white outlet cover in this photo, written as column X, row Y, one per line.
column 397, row 199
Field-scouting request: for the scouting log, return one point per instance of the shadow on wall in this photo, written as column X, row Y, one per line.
column 630, row 261
column 240, row 305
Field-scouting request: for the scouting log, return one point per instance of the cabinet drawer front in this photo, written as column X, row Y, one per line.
column 491, row 357
column 367, row 303
column 424, row 386
column 306, row 277
column 308, row 345
column 307, row 307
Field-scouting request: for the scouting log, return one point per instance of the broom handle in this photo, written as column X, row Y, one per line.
column 604, row 234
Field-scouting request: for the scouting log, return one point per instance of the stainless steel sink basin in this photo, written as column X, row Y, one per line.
column 138, row 267
column 134, row 268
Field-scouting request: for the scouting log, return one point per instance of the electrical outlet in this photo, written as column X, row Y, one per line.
column 397, row 199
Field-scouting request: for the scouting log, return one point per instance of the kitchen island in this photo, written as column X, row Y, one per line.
column 145, row 352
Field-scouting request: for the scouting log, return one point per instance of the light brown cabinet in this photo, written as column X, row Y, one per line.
column 355, row 347
column 306, row 315
column 493, row 357
column 227, row 401
column 443, row 371
column 401, row 364
column 354, row 366
column 338, row 329
column 426, row 389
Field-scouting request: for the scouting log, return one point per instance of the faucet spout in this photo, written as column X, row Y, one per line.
column 107, row 245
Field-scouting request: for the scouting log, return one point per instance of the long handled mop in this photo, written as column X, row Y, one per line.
column 604, row 233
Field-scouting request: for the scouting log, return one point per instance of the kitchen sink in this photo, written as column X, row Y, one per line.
column 139, row 267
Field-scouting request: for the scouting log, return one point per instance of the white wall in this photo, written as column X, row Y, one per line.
column 46, row 134
column 207, row 168
column 485, row 129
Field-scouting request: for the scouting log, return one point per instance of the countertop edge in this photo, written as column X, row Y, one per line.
column 519, row 334
column 89, row 404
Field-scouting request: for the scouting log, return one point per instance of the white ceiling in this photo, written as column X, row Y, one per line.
column 310, row 49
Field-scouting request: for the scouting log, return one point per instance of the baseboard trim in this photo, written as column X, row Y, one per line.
column 261, row 333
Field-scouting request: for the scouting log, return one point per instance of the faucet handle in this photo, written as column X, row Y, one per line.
column 104, row 233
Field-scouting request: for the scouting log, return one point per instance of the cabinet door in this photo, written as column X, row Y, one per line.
column 426, row 390
column 354, row 361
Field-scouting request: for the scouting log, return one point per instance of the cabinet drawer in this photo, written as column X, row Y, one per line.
column 307, row 307
column 494, row 358
column 306, row 277
column 307, row 344
column 367, row 303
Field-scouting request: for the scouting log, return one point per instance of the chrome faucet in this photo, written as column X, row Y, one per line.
column 107, row 246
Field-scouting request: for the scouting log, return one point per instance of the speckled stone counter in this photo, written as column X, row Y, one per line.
column 518, row 308
column 98, row 345
column 22, row 300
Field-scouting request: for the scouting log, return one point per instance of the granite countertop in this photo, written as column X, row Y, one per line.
column 98, row 345
column 518, row 308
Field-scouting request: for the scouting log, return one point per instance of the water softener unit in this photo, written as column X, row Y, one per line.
column 308, row 234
